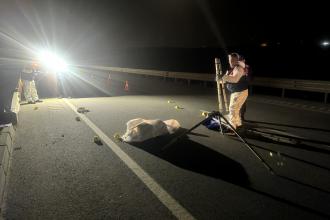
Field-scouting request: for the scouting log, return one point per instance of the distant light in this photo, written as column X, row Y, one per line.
column 52, row 61
column 263, row 45
column 325, row 43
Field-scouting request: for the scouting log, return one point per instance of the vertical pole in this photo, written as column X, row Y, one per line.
column 283, row 93
column 224, row 95
column 218, row 73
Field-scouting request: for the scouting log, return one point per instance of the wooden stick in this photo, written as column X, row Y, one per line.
column 222, row 97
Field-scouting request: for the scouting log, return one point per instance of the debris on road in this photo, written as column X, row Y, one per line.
column 117, row 137
column 170, row 101
column 97, row 140
column 204, row 113
column 62, row 135
column 178, row 107
column 35, row 108
column 82, row 110
column 78, row 118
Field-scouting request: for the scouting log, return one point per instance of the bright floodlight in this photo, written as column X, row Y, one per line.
column 325, row 43
column 52, row 62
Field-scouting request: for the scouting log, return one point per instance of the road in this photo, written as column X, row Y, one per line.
column 58, row 172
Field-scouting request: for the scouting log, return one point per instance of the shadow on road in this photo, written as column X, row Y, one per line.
column 198, row 158
column 284, row 141
column 318, row 146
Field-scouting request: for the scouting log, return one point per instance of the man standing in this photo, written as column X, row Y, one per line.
column 237, row 83
column 29, row 86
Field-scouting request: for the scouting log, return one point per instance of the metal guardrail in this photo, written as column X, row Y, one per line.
column 294, row 84
column 284, row 84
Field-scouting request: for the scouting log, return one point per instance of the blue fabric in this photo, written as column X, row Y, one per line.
column 212, row 124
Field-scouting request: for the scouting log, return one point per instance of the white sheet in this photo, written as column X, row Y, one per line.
column 140, row 129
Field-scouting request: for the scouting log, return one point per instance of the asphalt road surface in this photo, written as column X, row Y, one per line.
column 58, row 172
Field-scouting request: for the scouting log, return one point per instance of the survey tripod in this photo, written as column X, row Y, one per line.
column 223, row 107
column 218, row 115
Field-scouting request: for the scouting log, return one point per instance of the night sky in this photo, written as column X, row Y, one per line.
column 90, row 30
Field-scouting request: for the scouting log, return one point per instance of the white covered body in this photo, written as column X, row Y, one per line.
column 140, row 129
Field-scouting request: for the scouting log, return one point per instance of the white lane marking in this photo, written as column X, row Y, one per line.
column 177, row 210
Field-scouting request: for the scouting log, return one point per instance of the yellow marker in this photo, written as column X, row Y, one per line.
column 204, row 114
column 170, row 101
column 178, row 107
column 97, row 140
column 82, row 110
column 117, row 137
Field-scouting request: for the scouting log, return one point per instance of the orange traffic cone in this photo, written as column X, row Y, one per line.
column 126, row 86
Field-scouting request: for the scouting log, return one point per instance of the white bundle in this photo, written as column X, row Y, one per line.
column 140, row 129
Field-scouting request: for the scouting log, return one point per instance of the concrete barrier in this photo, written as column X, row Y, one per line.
column 6, row 149
column 7, row 135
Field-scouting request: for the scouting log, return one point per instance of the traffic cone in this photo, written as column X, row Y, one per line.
column 126, row 86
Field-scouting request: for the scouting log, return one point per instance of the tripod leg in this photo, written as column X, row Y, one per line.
column 249, row 147
column 220, row 127
column 219, row 96
column 224, row 96
column 186, row 132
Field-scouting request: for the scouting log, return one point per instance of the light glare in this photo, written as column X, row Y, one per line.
column 52, row 62
column 325, row 43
